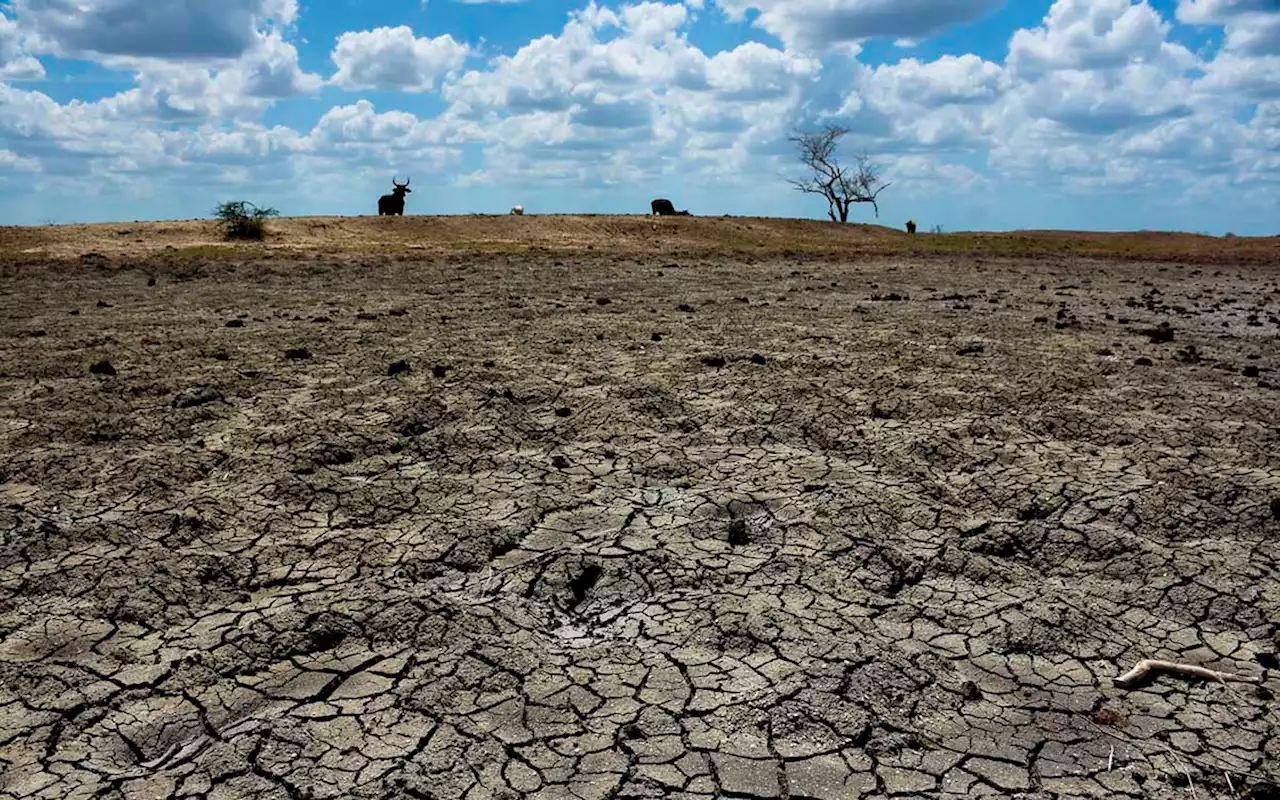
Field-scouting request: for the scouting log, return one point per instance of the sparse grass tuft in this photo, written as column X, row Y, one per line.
column 241, row 219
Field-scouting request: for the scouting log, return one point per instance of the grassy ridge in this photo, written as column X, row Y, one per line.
column 611, row 233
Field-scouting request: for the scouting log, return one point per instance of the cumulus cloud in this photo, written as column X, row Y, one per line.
column 151, row 29
column 16, row 63
column 622, row 92
column 1252, row 26
column 394, row 58
column 1096, row 35
column 821, row 23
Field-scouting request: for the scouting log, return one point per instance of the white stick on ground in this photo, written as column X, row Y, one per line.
column 1145, row 668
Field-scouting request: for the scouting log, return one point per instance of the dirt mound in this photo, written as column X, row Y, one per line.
column 614, row 234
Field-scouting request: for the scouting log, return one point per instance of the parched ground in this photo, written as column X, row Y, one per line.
column 630, row 511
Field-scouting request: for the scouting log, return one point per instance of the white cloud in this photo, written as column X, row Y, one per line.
column 15, row 62
column 820, row 23
column 393, row 58
column 1096, row 35
column 151, row 29
column 1252, row 26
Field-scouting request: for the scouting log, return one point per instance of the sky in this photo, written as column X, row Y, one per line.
column 980, row 114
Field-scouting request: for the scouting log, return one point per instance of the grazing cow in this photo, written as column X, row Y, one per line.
column 911, row 226
column 393, row 203
column 663, row 208
column 517, row 210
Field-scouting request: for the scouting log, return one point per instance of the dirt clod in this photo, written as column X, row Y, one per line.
column 102, row 367
column 398, row 367
column 297, row 353
column 196, row 396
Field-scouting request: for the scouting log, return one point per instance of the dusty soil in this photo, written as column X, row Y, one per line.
column 596, row 524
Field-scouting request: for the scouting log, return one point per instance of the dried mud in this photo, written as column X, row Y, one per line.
column 609, row 527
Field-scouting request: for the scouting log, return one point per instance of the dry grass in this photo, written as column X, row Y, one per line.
column 613, row 233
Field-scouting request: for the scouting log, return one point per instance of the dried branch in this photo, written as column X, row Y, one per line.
column 1144, row 670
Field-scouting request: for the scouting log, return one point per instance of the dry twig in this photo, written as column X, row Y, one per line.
column 1143, row 671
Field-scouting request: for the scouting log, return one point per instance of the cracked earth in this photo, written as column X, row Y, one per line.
column 608, row 527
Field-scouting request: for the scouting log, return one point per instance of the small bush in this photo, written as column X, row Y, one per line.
column 243, row 220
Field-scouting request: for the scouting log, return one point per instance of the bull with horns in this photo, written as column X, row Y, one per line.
column 393, row 203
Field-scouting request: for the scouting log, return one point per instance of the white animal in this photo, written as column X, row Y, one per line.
column 517, row 210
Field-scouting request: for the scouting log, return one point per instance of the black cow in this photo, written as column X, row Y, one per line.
column 663, row 208
column 393, row 203
column 911, row 226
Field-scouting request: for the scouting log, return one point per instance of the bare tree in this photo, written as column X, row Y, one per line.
column 841, row 186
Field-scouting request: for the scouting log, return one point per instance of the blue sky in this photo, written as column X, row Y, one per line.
column 984, row 114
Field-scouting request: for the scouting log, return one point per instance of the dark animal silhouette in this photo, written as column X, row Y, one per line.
column 393, row 203
column 663, row 208
column 911, row 226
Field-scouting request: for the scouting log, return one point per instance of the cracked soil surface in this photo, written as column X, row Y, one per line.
column 623, row 528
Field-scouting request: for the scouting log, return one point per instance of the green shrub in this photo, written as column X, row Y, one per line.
column 243, row 220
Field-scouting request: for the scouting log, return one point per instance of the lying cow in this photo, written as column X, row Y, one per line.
column 662, row 207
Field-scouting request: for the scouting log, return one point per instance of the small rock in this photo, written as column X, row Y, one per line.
column 559, row 462
column 969, row 350
column 490, row 364
column 738, row 534
column 563, row 412
column 1143, row 362
column 221, row 355
column 365, row 315
column 235, row 323
column 438, row 370
column 1275, row 508
column 397, row 367
column 657, row 337
column 1250, row 371
column 37, row 333
column 297, row 353
column 151, row 281
column 603, row 301
column 397, row 312
column 104, row 304
column 196, row 396
column 685, row 307
column 714, row 361
column 103, row 367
